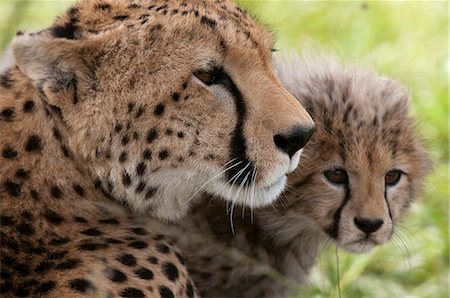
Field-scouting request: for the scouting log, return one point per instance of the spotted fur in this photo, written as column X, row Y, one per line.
column 104, row 121
column 363, row 129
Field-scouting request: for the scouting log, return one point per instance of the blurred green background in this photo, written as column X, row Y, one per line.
column 406, row 40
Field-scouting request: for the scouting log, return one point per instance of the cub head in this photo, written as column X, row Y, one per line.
column 162, row 99
column 365, row 163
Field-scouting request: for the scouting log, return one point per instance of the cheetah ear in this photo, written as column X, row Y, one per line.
column 53, row 64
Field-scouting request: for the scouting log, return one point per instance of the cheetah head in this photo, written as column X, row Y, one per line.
column 365, row 164
column 162, row 99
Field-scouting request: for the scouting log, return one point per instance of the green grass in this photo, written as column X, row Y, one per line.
column 403, row 40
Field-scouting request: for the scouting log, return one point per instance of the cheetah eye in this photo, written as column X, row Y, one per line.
column 336, row 176
column 393, row 177
column 208, row 77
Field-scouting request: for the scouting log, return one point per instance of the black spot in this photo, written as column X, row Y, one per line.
column 159, row 109
column 169, row 132
column 28, row 106
column 152, row 260
column 139, row 112
column 136, row 135
column 180, row 134
column 189, row 289
column 144, row 273
column 126, row 180
column 68, row 264
column 9, row 152
column 13, row 188
column 121, row 18
column 132, row 292
column 57, row 255
column 170, row 271
column 165, row 292
column 127, row 260
column 125, row 140
column 80, row 285
column 33, row 144
column 140, row 169
column 43, row 267
column 59, row 241
column 78, row 190
column 115, row 275
column 56, row 192
column 139, row 231
column 103, row 6
column 65, row 31
column 161, row 247
column 152, row 135
column 109, row 221
column 56, row 134
column 118, row 127
column 208, row 22
column 6, row 220
column 93, row 246
column 180, row 258
column 140, row 188
column 80, row 219
column 176, row 96
column 130, row 107
column 27, row 215
column 5, row 79
column 123, row 156
column 25, row 229
column 159, row 237
column 150, row 193
column 91, row 232
column 34, row 194
column 138, row 244
column 163, row 154
column 21, row 173
column 147, row 154
column 65, row 151
column 53, row 217
column 8, row 114
column 113, row 241
column 133, row 6
column 45, row 287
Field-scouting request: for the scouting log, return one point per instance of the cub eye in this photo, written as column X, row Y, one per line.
column 336, row 176
column 392, row 177
column 207, row 77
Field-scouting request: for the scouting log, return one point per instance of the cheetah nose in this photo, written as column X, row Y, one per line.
column 368, row 225
column 295, row 140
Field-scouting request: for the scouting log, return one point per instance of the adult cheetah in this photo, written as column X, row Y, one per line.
column 127, row 107
column 359, row 174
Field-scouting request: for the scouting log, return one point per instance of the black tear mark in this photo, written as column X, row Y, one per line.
column 64, row 31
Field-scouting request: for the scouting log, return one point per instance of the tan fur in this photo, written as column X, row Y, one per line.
column 104, row 107
column 363, row 127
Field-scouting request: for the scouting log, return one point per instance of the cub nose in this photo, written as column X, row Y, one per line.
column 368, row 225
column 295, row 140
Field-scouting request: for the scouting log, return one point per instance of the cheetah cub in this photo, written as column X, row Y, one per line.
column 360, row 172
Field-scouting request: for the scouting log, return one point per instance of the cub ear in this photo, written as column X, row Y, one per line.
column 53, row 64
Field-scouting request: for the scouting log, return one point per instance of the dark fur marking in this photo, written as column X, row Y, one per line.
column 56, row 192
column 5, row 79
column 115, row 275
column 13, row 188
column 161, row 247
column 25, row 229
column 126, row 179
column 109, row 221
column 68, row 264
column 21, row 173
column 144, row 273
column 138, row 244
column 8, row 152
column 80, row 285
column 165, row 292
column 123, row 156
column 176, row 96
column 127, row 260
column 132, row 293
column 152, row 135
column 159, row 109
column 150, row 193
column 140, row 169
column 64, row 31
column 333, row 230
column 92, row 232
column 44, row 267
column 152, row 260
column 140, row 188
column 170, row 271
column 189, row 289
column 8, row 114
column 147, row 154
column 163, row 154
column 53, row 217
column 78, row 190
column 33, row 144
column 46, row 287
column 93, row 246
column 208, row 22
column 121, row 17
